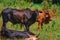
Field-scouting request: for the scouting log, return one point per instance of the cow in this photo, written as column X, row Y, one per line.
column 26, row 16
column 18, row 34
column 44, row 16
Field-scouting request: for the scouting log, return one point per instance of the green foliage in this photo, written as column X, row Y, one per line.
column 53, row 23
column 15, row 4
column 50, row 31
column 47, row 4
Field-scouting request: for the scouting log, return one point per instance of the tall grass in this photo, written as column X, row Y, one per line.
column 50, row 31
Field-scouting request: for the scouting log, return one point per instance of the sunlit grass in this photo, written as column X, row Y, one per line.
column 50, row 31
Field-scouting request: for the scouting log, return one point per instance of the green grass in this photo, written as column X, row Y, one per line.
column 50, row 31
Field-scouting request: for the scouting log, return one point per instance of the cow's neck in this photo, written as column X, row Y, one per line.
column 32, row 19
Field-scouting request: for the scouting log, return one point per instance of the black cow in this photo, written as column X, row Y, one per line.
column 13, row 33
column 18, row 34
column 26, row 17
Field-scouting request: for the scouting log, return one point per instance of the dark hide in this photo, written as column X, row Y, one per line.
column 26, row 17
column 13, row 33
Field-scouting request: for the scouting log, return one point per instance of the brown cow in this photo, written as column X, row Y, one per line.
column 44, row 17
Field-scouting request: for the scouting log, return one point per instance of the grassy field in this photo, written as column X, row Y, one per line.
column 50, row 31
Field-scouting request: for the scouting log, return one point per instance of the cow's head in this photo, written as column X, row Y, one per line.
column 32, row 37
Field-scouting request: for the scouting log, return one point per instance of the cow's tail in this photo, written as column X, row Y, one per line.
column 21, row 26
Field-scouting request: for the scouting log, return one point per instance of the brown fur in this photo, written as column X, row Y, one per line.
column 44, row 17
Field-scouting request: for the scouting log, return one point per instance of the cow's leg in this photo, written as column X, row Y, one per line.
column 5, row 19
column 3, row 27
column 27, row 27
column 39, row 25
column 4, row 23
column 22, row 26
